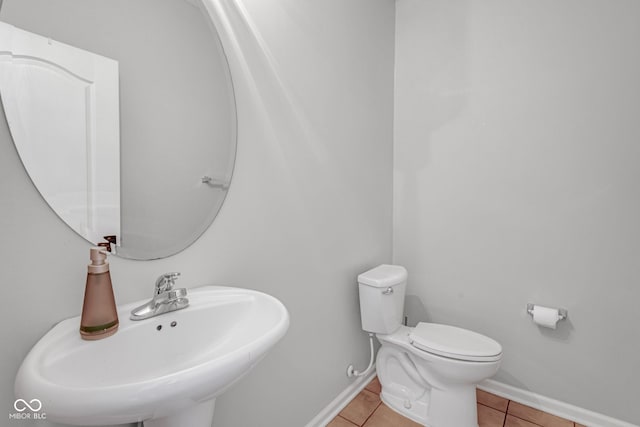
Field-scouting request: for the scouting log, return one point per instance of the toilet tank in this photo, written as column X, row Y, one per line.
column 382, row 292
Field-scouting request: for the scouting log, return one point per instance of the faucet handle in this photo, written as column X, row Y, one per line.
column 166, row 282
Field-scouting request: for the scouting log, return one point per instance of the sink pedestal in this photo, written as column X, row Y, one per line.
column 200, row 415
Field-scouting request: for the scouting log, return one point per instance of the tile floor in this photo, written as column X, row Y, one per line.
column 367, row 410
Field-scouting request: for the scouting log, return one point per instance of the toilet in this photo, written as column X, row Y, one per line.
column 428, row 373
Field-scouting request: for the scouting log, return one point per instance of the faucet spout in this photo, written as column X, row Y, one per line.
column 165, row 299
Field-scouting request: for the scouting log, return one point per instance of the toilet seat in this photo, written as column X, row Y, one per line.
column 455, row 343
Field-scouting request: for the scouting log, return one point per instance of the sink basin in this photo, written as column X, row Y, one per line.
column 166, row 370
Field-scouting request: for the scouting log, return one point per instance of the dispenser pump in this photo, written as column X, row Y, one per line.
column 99, row 314
column 99, row 262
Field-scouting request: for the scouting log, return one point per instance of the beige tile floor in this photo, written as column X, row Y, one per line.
column 367, row 410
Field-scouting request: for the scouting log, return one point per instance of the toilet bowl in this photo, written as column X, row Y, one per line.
column 428, row 373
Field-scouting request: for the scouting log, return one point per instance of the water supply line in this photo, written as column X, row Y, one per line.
column 351, row 371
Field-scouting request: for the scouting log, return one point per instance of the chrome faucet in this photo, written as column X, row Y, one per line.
column 165, row 298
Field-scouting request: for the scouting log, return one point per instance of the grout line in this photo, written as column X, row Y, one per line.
column 372, row 412
column 347, row 420
column 515, row 416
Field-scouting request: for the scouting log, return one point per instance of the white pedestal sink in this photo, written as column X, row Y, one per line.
column 165, row 371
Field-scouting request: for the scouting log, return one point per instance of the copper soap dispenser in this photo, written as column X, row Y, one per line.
column 99, row 313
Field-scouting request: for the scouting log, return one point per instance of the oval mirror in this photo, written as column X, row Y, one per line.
column 123, row 114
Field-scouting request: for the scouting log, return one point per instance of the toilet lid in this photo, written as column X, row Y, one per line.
column 455, row 343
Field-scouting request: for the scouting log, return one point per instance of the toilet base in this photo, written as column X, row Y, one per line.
column 453, row 407
column 445, row 408
column 414, row 410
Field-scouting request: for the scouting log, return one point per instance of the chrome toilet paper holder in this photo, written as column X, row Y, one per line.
column 562, row 312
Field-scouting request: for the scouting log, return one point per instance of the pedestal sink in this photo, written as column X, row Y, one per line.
column 165, row 371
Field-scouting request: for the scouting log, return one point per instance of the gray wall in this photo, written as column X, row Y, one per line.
column 517, row 176
column 309, row 208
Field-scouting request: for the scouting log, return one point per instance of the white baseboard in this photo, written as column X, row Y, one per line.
column 552, row 406
column 336, row 405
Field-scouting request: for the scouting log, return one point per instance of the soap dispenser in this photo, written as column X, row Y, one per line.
column 99, row 314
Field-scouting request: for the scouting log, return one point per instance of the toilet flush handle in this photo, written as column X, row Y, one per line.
column 388, row 291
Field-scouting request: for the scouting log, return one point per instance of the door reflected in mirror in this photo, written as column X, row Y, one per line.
column 177, row 118
column 61, row 105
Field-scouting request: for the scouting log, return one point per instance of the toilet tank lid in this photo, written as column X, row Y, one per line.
column 383, row 276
